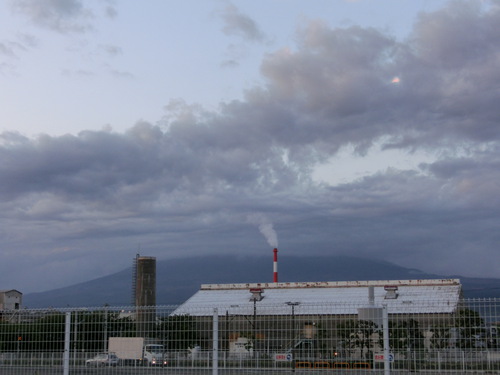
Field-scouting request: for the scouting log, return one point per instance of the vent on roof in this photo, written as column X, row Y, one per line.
column 256, row 294
column 392, row 291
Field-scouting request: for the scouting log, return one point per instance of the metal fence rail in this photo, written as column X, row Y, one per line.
column 241, row 340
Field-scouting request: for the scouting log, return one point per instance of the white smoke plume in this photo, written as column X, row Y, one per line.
column 266, row 228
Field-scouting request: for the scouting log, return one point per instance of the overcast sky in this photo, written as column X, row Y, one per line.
column 176, row 128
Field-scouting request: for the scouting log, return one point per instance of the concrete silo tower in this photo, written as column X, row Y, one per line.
column 145, row 281
column 144, row 294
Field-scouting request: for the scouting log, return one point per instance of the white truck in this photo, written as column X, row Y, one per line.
column 135, row 351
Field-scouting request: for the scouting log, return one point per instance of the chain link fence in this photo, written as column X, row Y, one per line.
column 239, row 340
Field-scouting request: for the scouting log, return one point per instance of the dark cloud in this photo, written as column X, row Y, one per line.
column 193, row 182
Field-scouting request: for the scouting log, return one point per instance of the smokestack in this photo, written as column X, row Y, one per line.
column 275, row 266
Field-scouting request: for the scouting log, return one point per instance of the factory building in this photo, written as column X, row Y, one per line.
column 401, row 296
column 292, row 315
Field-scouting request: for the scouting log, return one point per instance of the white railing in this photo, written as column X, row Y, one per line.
column 234, row 340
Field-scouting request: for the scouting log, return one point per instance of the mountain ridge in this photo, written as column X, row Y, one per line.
column 178, row 279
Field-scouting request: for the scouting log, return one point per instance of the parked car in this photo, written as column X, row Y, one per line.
column 103, row 359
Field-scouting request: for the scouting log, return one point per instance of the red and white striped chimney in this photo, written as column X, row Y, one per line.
column 275, row 266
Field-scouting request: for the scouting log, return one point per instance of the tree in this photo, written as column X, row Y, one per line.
column 366, row 329
column 180, row 331
column 92, row 329
column 405, row 337
column 10, row 333
column 43, row 334
column 470, row 327
column 357, row 334
column 440, row 336
column 347, row 333
column 47, row 334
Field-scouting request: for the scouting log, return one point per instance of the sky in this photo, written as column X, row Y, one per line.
column 180, row 128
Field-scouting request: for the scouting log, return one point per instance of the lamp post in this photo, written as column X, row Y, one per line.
column 292, row 305
column 229, row 319
column 256, row 296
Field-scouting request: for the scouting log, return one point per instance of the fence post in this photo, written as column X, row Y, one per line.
column 439, row 360
column 385, row 325
column 215, row 343
column 67, row 335
column 75, row 338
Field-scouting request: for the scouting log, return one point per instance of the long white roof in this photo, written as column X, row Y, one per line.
column 325, row 298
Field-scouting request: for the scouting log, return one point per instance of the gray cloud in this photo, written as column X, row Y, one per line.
column 340, row 78
column 111, row 50
column 6, row 50
column 12, row 48
column 57, row 15
column 110, row 9
column 230, row 63
column 239, row 24
column 189, row 183
column 61, row 15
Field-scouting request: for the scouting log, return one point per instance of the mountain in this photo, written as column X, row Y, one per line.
column 179, row 279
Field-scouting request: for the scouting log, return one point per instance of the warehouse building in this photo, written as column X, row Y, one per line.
column 308, row 317
column 401, row 296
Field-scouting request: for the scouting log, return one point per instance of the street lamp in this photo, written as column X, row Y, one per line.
column 292, row 305
column 229, row 319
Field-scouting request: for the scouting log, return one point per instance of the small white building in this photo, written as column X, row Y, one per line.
column 10, row 299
